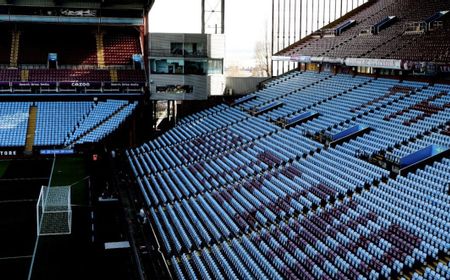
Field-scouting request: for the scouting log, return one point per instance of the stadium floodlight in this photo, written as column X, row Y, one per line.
column 54, row 211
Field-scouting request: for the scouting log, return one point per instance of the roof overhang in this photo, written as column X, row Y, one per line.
column 82, row 4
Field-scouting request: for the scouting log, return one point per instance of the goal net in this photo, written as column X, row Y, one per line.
column 54, row 212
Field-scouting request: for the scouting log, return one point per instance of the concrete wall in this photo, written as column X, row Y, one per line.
column 243, row 85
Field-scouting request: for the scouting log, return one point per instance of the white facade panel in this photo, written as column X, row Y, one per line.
column 216, row 84
column 216, row 46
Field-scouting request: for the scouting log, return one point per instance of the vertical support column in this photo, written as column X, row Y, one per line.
column 278, row 36
column 209, row 18
column 284, row 31
column 175, row 112
column 289, row 24
column 168, row 110
column 295, row 21
column 146, row 43
column 223, row 16
column 323, row 15
column 100, row 50
column 174, row 104
column 154, row 114
column 273, row 35
column 329, row 11
column 318, row 16
column 306, row 18
column 301, row 17
column 132, row 137
column 203, row 17
column 289, row 30
column 15, row 45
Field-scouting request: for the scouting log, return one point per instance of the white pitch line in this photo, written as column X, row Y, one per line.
column 15, row 257
column 30, row 271
column 17, row 201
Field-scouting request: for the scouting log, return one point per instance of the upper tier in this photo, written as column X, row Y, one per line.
column 389, row 43
column 74, row 45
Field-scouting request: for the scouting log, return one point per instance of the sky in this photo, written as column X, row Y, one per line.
column 246, row 21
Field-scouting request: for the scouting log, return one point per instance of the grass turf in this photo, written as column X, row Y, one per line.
column 3, row 166
column 70, row 171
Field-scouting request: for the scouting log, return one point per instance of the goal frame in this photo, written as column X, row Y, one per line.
column 42, row 208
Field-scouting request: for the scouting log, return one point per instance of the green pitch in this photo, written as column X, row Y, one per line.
column 72, row 171
column 3, row 166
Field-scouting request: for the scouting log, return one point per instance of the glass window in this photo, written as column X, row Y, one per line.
column 188, row 67
column 215, row 66
column 176, row 48
column 194, row 49
column 195, row 67
column 167, row 66
column 187, row 49
column 175, row 89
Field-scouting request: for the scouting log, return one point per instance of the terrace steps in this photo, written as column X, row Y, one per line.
column 15, row 39
column 31, row 129
column 24, row 75
column 113, row 74
column 100, row 50
column 122, row 107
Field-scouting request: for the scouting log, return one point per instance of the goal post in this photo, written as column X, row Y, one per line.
column 54, row 211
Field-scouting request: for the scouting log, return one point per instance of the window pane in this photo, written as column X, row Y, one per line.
column 215, row 66
column 195, row 67
column 167, row 66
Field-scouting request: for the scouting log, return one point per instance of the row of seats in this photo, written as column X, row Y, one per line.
column 10, row 75
column 109, row 125
column 13, row 123
column 318, row 93
column 68, row 75
column 344, row 241
column 391, row 42
column 441, row 272
column 71, row 75
column 435, row 138
column 96, row 116
column 232, row 195
column 395, row 129
column 284, row 87
column 60, row 124
column 55, row 120
column 340, row 111
column 363, row 19
column 76, row 45
column 202, row 114
column 207, row 125
column 131, row 76
column 386, row 247
column 120, row 46
column 228, row 169
column 220, row 141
